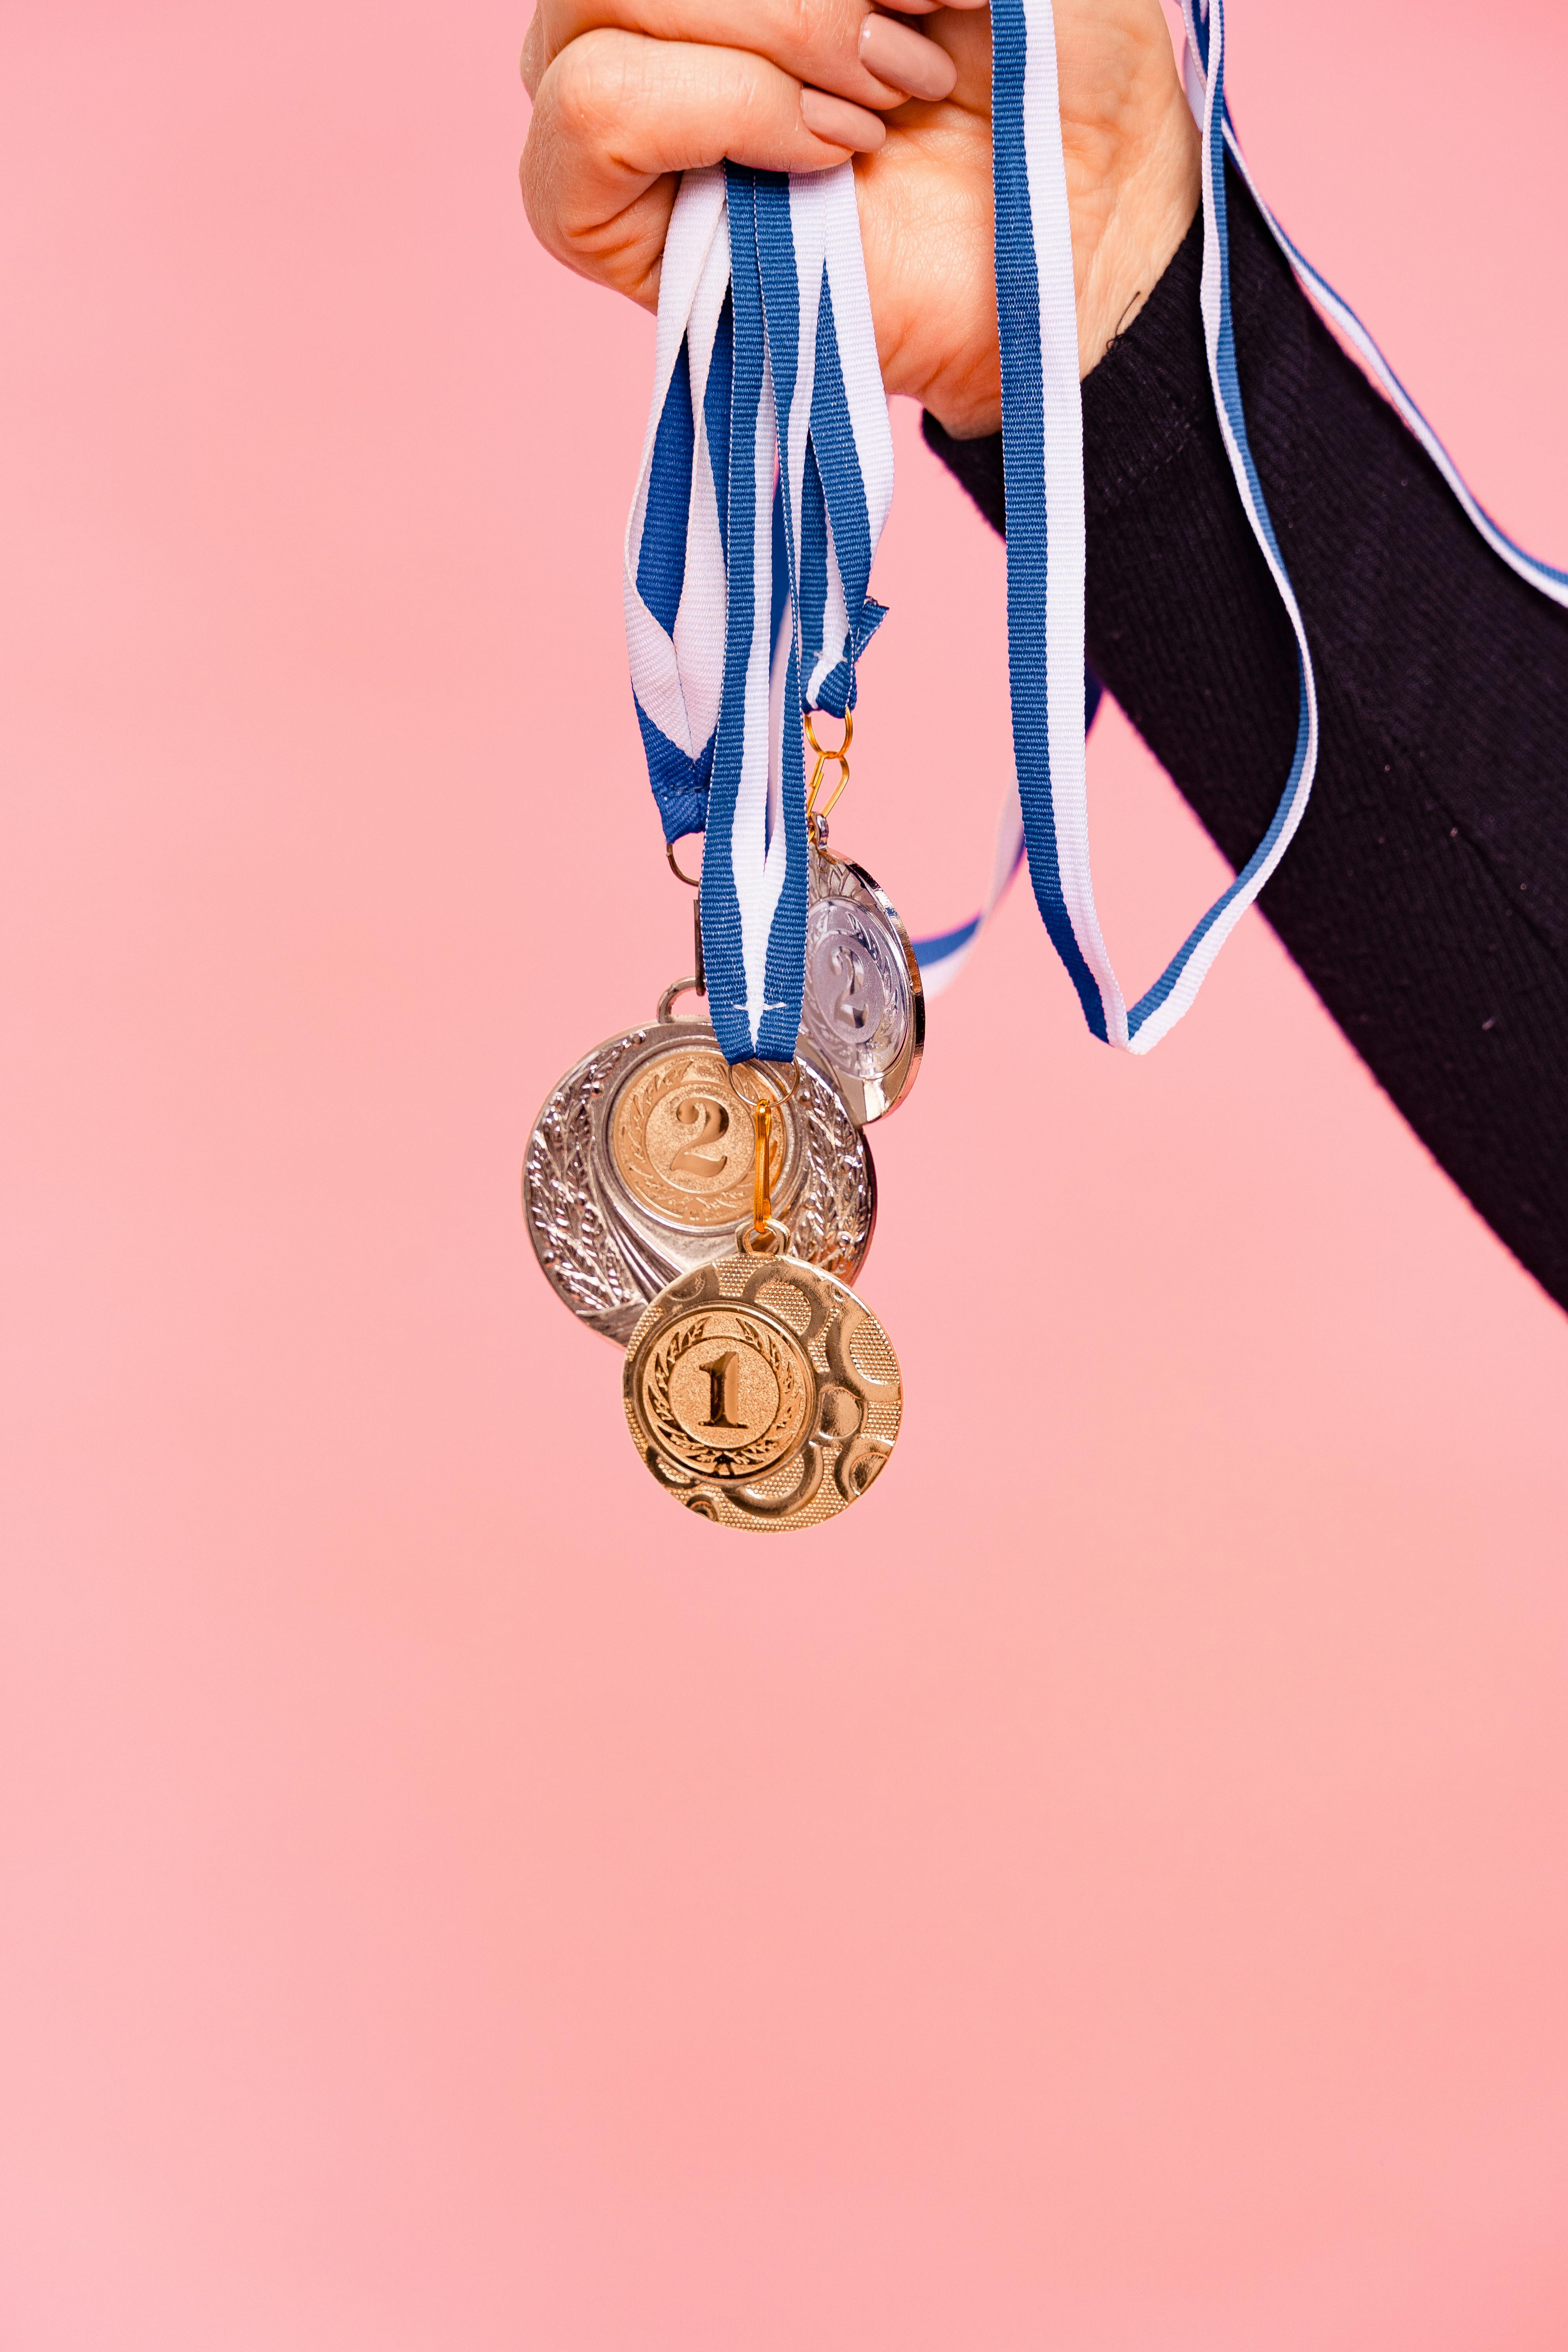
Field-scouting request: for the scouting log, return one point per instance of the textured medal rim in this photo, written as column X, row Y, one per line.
column 906, row 1068
column 685, row 1296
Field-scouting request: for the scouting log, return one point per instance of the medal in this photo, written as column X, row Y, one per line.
column 639, row 1170
column 862, row 1005
column 759, row 1391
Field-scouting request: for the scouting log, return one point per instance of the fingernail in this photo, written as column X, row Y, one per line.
column 835, row 120
column 905, row 60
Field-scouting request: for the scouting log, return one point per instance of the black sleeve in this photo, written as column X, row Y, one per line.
column 1425, row 895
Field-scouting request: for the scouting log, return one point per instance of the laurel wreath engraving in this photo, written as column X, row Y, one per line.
column 832, row 1225
column 717, row 1461
column 656, row 1387
column 572, row 1237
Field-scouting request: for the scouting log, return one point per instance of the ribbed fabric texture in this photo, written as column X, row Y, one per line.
column 1426, row 896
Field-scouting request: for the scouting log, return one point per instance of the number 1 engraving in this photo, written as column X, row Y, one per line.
column 723, row 1383
column 848, row 1009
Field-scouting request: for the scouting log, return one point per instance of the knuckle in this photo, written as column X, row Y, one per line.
column 801, row 25
column 546, row 32
column 536, row 178
column 820, row 29
column 752, row 88
column 550, row 30
column 590, row 85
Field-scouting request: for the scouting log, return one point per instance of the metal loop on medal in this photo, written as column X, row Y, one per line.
column 769, row 1078
column 692, row 986
column 692, row 881
column 766, row 1240
column 836, row 755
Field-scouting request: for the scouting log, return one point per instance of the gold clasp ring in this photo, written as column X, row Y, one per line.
column 776, row 1082
column 836, row 756
column 764, row 1237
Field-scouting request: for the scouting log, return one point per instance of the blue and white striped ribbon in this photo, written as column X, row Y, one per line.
column 766, row 478
column 1042, row 441
column 1206, row 32
column 943, row 955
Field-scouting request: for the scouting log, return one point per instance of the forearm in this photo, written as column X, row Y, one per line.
column 1424, row 895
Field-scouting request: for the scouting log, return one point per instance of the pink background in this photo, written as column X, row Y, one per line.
column 1107, row 1893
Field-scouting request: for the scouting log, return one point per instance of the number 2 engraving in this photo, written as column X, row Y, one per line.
column 711, row 1120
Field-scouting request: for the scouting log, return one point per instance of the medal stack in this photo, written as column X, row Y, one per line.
column 713, row 1218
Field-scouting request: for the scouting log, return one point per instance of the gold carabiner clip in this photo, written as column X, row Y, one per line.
column 764, row 1236
column 836, row 756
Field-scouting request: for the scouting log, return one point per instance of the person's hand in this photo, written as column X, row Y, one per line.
column 629, row 93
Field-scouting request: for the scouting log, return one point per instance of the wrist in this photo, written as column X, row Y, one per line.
column 1145, row 211
column 1128, row 218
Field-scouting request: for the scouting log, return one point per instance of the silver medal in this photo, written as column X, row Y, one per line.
column 863, row 1008
column 639, row 1169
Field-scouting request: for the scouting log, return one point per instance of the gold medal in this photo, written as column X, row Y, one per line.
column 759, row 1389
